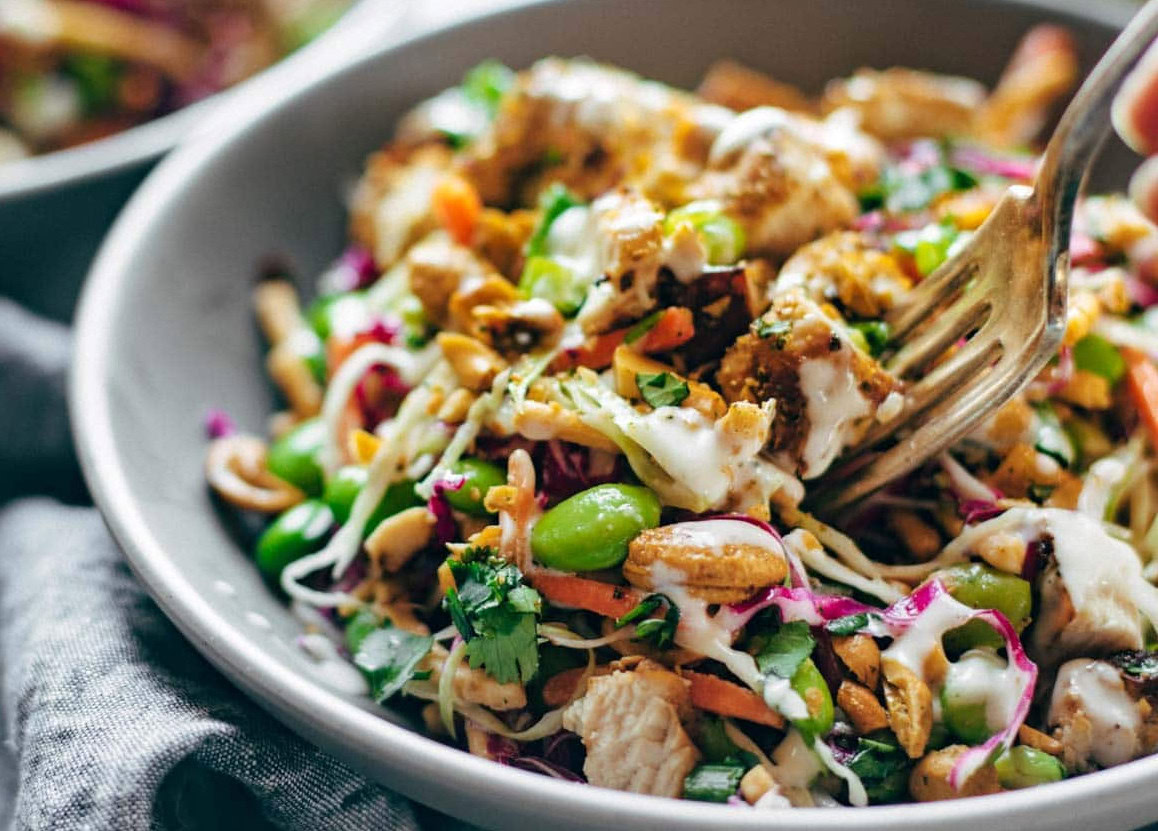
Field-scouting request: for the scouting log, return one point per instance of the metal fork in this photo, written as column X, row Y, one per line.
column 1005, row 292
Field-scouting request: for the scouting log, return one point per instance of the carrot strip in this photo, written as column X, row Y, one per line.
column 675, row 327
column 1142, row 383
column 715, row 695
column 457, row 206
column 591, row 595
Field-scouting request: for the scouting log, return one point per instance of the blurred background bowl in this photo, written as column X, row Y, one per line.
column 56, row 208
column 165, row 332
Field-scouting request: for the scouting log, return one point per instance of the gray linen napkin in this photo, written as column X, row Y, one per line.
column 110, row 719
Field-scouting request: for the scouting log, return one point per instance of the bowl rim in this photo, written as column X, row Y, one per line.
column 362, row 26
column 314, row 710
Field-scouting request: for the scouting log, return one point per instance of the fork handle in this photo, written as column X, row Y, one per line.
column 1085, row 124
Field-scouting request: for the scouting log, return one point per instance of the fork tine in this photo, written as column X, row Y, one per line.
column 941, row 425
column 954, row 324
column 930, row 293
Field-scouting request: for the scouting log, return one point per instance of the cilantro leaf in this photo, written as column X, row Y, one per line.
column 882, row 766
column 388, row 657
column 1137, row 663
column 785, row 649
column 848, row 625
column 661, row 389
column 659, row 631
column 496, row 614
column 778, row 329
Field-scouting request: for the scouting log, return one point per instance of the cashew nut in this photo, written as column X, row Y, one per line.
column 235, row 468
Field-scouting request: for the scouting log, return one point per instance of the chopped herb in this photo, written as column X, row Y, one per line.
column 778, row 329
column 882, row 766
column 496, row 614
column 875, row 334
column 487, row 83
column 785, row 649
column 848, row 625
column 97, row 78
column 661, row 389
column 552, row 202
column 932, row 245
column 659, row 631
column 388, row 657
column 1137, row 663
column 713, row 783
column 642, row 327
column 901, row 188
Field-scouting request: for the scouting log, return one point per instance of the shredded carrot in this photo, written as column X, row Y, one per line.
column 715, row 695
column 457, row 206
column 1142, row 383
column 591, row 595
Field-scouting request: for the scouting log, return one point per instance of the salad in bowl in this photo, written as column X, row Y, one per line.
column 553, row 419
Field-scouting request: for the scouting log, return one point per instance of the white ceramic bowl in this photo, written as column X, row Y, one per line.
column 55, row 209
column 165, row 332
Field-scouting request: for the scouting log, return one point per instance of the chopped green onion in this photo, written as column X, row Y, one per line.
column 544, row 278
column 875, row 334
column 642, row 328
column 552, row 202
column 487, row 83
column 723, row 237
column 1052, row 439
column 1095, row 354
column 713, row 783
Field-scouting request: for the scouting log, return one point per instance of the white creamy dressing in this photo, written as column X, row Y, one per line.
column 981, row 676
column 716, row 534
column 452, row 112
column 1102, row 477
column 835, row 407
column 1094, row 566
column 1097, row 688
column 923, row 637
column 684, row 253
column 746, row 128
column 330, row 667
column 572, row 243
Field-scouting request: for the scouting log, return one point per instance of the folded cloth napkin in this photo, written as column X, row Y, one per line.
column 110, row 719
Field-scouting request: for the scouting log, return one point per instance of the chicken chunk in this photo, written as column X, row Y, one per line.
column 1106, row 621
column 827, row 391
column 591, row 127
column 846, row 268
column 630, row 234
column 1098, row 720
column 391, row 206
column 773, row 172
column 899, row 103
column 630, row 723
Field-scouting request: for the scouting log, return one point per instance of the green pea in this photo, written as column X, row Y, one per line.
column 1024, row 767
column 981, row 587
column 299, row 531
column 723, row 238
column 294, row 457
column 591, row 529
column 347, row 482
column 480, row 477
column 810, row 685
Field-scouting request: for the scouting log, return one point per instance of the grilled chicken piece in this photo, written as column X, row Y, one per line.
column 902, row 103
column 591, row 127
column 774, row 173
column 846, row 268
column 391, row 206
column 630, row 723
column 1100, row 720
column 439, row 268
column 827, row 391
column 1100, row 622
column 630, row 234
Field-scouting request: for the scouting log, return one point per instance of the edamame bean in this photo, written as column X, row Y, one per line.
column 981, row 587
column 591, row 529
column 299, row 531
column 344, row 486
column 810, row 685
column 479, row 477
column 294, row 457
column 1024, row 767
column 965, row 695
